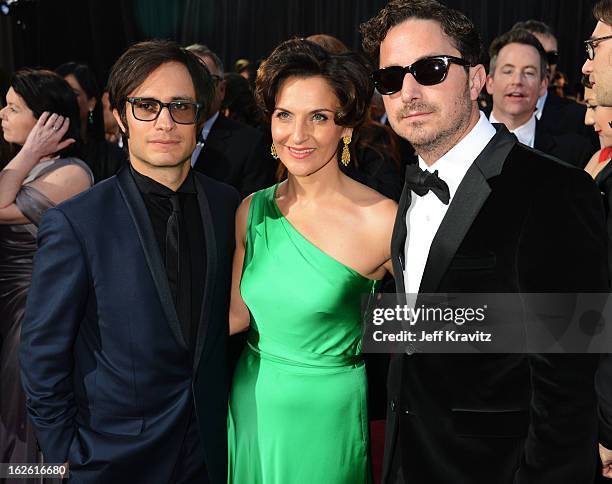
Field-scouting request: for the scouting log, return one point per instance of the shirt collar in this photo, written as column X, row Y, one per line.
column 208, row 126
column 148, row 186
column 525, row 133
column 454, row 164
column 540, row 104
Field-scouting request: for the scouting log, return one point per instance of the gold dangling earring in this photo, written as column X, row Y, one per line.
column 346, row 154
column 273, row 151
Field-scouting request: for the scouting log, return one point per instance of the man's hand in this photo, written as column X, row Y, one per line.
column 606, row 460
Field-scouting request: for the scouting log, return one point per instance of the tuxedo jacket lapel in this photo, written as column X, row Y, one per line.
column 140, row 216
column 398, row 239
column 471, row 195
column 544, row 141
column 211, row 270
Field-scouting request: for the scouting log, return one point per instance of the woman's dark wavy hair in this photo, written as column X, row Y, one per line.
column 346, row 73
column 44, row 90
column 88, row 82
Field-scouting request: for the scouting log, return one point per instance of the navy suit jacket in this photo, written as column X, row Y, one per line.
column 109, row 380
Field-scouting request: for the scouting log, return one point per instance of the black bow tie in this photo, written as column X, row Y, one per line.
column 421, row 181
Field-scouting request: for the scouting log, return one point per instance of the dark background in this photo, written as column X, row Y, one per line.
column 45, row 33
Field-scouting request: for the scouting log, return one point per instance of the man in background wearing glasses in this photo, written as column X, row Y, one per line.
column 598, row 65
column 480, row 213
column 124, row 338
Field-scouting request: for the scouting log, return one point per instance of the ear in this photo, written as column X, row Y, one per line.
column 477, row 79
column 119, row 121
column 490, row 82
column 91, row 104
column 347, row 132
column 543, row 86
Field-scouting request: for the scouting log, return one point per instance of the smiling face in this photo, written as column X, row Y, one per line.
column 599, row 69
column 303, row 128
column 432, row 118
column 17, row 118
column 516, row 84
column 161, row 143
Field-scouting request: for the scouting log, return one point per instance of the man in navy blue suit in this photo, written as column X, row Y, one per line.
column 124, row 339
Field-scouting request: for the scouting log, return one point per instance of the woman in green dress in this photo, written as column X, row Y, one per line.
column 307, row 250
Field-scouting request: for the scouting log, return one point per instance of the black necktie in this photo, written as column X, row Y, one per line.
column 421, row 181
column 173, row 264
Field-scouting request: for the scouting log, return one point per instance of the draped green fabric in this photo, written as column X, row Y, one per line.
column 298, row 410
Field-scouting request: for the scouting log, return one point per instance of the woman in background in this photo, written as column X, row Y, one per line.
column 42, row 174
column 103, row 158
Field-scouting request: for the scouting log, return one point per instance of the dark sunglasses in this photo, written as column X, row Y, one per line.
column 552, row 57
column 427, row 72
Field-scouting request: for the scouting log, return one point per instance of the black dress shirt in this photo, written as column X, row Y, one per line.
column 190, row 289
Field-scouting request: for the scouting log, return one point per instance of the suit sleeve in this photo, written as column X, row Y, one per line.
column 258, row 170
column 54, row 309
column 563, row 251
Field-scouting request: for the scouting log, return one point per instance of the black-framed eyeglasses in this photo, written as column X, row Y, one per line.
column 149, row 109
column 590, row 45
column 552, row 57
column 427, row 72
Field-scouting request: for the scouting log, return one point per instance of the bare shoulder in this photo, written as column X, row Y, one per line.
column 67, row 175
column 242, row 216
column 377, row 213
column 375, row 206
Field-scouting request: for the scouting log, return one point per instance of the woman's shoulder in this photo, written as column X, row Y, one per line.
column 377, row 211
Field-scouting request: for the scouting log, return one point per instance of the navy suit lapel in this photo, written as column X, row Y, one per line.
column 140, row 216
column 465, row 206
column 211, row 270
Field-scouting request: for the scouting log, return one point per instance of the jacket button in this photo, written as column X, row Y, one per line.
column 393, row 405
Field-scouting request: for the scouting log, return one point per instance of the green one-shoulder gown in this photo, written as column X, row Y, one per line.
column 298, row 410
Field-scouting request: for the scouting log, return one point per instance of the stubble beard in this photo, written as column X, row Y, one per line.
column 432, row 144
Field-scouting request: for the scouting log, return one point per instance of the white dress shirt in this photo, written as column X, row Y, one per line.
column 425, row 213
column 540, row 105
column 202, row 139
column 525, row 132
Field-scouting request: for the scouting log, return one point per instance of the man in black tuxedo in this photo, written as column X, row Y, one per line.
column 124, row 338
column 504, row 219
column 227, row 150
column 517, row 76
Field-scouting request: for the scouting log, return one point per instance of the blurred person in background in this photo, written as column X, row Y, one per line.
column 104, row 158
column 228, row 150
column 41, row 118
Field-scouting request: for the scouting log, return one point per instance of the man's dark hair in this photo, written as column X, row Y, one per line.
column 202, row 50
column 534, row 27
column 87, row 80
column 517, row 36
column 346, row 74
column 140, row 60
column 455, row 24
column 44, row 90
column 603, row 11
